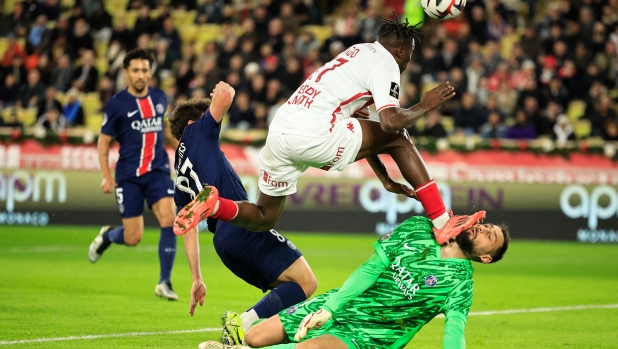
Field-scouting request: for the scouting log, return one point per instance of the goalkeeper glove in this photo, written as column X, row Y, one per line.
column 312, row 321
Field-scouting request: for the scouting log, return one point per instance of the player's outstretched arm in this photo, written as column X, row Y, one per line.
column 222, row 97
column 380, row 170
column 192, row 248
column 395, row 119
column 457, row 307
column 103, row 148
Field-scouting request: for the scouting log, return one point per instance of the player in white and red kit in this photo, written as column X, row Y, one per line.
column 137, row 118
column 319, row 127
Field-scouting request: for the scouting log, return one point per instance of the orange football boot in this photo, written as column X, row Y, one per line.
column 457, row 224
column 197, row 210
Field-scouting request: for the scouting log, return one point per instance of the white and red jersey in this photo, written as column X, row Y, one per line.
column 362, row 75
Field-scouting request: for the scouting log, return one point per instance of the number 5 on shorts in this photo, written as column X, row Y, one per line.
column 119, row 196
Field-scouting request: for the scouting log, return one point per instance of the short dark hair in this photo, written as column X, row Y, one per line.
column 138, row 53
column 398, row 31
column 188, row 110
column 505, row 246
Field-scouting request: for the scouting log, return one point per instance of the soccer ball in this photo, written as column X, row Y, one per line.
column 443, row 9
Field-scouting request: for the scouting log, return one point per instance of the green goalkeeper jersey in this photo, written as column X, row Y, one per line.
column 416, row 285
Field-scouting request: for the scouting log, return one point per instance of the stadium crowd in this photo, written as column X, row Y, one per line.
column 520, row 71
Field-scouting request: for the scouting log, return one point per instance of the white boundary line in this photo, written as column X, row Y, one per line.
column 214, row 329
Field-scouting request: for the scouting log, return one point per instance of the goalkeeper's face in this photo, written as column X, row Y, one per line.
column 481, row 242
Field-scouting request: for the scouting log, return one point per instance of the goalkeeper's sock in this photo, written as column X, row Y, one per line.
column 281, row 297
column 429, row 196
column 248, row 319
column 115, row 236
column 282, row 346
column 167, row 252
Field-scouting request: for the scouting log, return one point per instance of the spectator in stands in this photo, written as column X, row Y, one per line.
column 50, row 101
column 12, row 51
column 605, row 111
column 242, row 113
column 275, row 34
column 143, row 23
column 123, row 35
column 52, row 121
column 468, row 118
column 492, row 105
column 533, row 112
column 18, row 70
column 496, row 27
column 45, row 67
column 101, row 25
column 9, row 91
column 86, row 75
column 291, row 77
column 80, row 40
column 61, row 74
column 164, row 60
column 610, row 131
column 289, row 20
column 522, row 129
column 209, row 11
column 106, row 90
column 473, row 75
column 608, row 63
column 171, row 34
column 183, row 77
column 73, row 111
column 33, row 91
column 478, row 25
column 10, row 23
column 433, row 125
column 555, row 92
column 89, row 7
column 135, row 4
column 563, row 131
column 40, row 35
column 274, row 92
column 13, row 121
column 494, row 128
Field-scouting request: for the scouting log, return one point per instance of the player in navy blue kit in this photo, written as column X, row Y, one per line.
column 136, row 118
column 266, row 260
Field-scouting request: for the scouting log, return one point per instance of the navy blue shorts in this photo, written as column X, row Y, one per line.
column 153, row 186
column 257, row 258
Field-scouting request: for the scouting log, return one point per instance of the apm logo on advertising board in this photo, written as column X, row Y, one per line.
column 600, row 204
column 374, row 198
column 21, row 186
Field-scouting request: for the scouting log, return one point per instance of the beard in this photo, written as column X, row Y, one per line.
column 465, row 243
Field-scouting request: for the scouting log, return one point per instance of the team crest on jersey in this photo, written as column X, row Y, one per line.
column 121, row 208
column 292, row 309
column 394, row 91
column 160, row 108
column 291, row 245
column 431, row 280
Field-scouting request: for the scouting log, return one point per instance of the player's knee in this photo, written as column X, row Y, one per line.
column 132, row 239
column 309, row 285
column 255, row 338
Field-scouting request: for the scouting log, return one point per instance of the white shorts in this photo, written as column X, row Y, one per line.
column 285, row 157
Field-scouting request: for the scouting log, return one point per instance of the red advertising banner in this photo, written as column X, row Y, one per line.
column 451, row 166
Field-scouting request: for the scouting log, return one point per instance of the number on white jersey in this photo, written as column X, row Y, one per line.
column 184, row 183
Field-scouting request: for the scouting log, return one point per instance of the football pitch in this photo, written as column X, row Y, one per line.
column 542, row 295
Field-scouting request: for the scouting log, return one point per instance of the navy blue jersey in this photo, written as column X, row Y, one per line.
column 137, row 124
column 199, row 160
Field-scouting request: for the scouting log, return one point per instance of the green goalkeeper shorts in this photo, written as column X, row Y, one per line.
column 294, row 315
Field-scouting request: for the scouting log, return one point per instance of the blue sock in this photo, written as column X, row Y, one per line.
column 281, row 297
column 115, row 236
column 167, row 252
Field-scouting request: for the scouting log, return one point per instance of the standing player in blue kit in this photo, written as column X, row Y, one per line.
column 266, row 260
column 136, row 117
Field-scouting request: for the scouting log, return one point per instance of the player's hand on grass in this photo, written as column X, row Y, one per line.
column 107, row 184
column 311, row 322
column 434, row 98
column 198, row 292
column 399, row 188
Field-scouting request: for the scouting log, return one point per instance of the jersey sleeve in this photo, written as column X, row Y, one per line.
column 360, row 280
column 208, row 127
column 384, row 83
column 459, row 300
column 111, row 119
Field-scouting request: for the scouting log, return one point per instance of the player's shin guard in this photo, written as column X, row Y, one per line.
column 429, row 196
column 281, row 297
column 167, row 253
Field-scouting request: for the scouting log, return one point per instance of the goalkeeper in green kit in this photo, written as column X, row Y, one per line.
column 407, row 282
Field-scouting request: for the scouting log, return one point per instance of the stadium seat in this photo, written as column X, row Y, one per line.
column 94, row 121
column 449, row 124
column 4, row 43
column 102, row 65
column 27, row 116
column 321, row 32
column 575, row 110
column 208, row 32
column 582, row 128
column 62, row 97
column 188, row 32
column 67, row 3
column 509, row 122
column 91, row 103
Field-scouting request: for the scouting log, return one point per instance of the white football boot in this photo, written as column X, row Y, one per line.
column 164, row 290
column 217, row 345
column 95, row 252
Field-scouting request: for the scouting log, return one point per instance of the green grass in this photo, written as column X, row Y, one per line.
column 49, row 289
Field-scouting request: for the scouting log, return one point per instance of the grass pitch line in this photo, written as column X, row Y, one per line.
column 214, row 329
column 111, row 335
